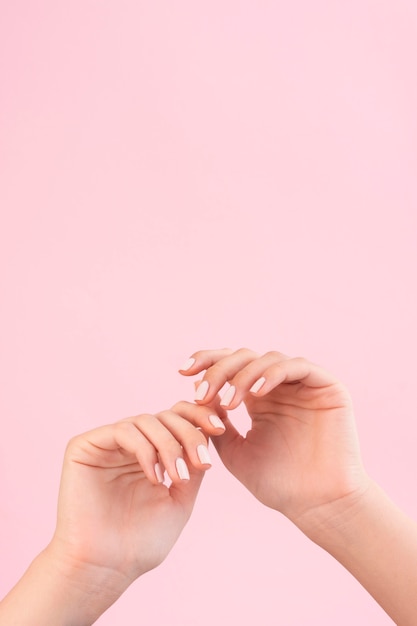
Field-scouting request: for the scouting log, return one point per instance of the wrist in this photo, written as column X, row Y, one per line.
column 57, row 589
column 88, row 589
column 333, row 522
column 376, row 542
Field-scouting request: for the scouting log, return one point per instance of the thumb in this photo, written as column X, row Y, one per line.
column 229, row 445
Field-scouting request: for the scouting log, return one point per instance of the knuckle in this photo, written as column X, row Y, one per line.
column 245, row 352
column 274, row 354
column 179, row 406
column 273, row 370
column 137, row 420
column 164, row 415
column 240, row 379
column 216, row 371
column 248, row 354
column 301, row 360
column 125, row 427
column 172, row 448
column 226, row 351
column 199, row 354
column 73, row 443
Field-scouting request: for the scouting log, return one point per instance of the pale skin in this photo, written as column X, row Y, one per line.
column 116, row 519
column 301, row 457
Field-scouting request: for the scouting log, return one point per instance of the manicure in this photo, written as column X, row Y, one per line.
column 257, row 385
column 203, row 454
column 182, row 469
column 187, row 365
column 202, row 390
column 228, row 396
column 216, row 422
column 159, row 473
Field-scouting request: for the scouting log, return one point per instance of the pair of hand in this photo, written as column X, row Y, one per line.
column 300, row 455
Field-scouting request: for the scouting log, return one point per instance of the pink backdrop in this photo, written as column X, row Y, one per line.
column 179, row 175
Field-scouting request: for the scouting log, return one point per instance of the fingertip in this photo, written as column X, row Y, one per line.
column 204, row 455
column 201, row 391
column 182, row 469
column 257, row 385
column 188, row 365
column 229, row 397
column 217, row 423
column 159, row 473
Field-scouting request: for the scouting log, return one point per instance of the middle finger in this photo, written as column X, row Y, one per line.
column 221, row 372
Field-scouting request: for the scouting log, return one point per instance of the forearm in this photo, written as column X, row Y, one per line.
column 56, row 591
column 377, row 543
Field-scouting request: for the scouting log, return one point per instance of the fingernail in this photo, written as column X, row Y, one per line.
column 202, row 390
column 228, row 396
column 182, row 469
column 216, row 422
column 203, row 454
column 187, row 365
column 159, row 473
column 257, row 385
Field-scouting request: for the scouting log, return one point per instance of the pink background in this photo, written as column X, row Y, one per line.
column 180, row 175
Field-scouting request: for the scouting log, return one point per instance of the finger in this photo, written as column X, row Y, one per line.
column 202, row 360
column 295, row 370
column 191, row 438
column 247, row 376
column 229, row 447
column 120, row 444
column 185, row 492
column 204, row 417
column 221, row 372
column 164, row 441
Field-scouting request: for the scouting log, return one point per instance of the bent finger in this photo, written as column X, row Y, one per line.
column 247, row 376
column 202, row 416
column 295, row 370
column 117, row 445
column 202, row 360
column 221, row 372
column 165, row 443
column 191, row 438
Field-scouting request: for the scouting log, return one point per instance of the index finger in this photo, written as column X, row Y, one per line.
column 220, row 368
column 202, row 360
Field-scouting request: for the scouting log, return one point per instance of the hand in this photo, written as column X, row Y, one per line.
column 114, row 513
column 116, row 517
column 301, row 452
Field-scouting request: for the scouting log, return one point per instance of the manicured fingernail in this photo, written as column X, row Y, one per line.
column 202, row 390
column 228, row 396
column 203, row 454
column 216, row 422
column 257, row 385
column 182, row 469
column 159, row 473
column 187, row 365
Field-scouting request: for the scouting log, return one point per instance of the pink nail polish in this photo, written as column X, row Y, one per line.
column 182, row 469
column 257, row 385
column 202, row 390
column 216, row 422
column 203, row 454
column 187, row 365
column 228, row 396
column 158, row 473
